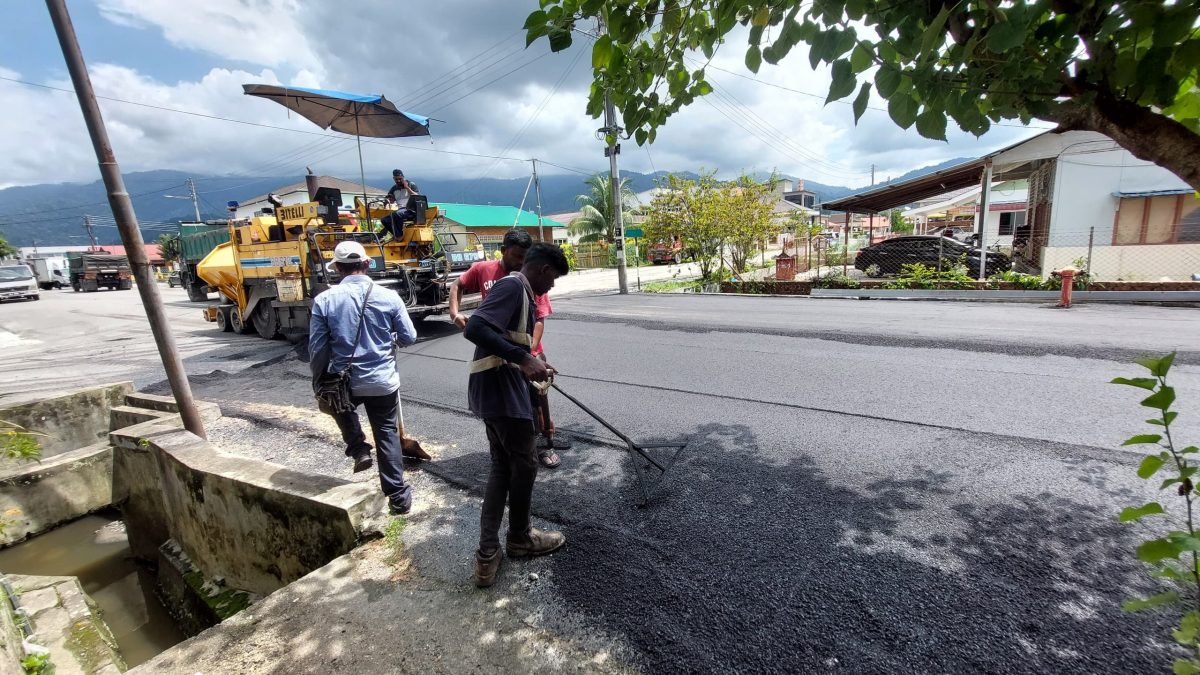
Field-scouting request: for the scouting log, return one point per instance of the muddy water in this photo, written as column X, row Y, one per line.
column 95, row 549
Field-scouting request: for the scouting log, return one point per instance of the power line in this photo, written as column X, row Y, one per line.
column 38, row 212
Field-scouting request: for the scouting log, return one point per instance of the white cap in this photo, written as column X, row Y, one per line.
column 348, row 252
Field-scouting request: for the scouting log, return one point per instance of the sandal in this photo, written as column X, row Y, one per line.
column 548, row 458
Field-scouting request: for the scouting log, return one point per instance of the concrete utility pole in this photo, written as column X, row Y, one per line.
column 613, row 133
column 191, row 185
column 87, row 226
column 985, row 198
column 872, row 174
column 537, row 188
column 122, row 208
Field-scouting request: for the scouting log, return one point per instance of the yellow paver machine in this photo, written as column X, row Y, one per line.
column 275, row 262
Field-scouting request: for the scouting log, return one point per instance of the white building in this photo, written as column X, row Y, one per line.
column 1087, row 199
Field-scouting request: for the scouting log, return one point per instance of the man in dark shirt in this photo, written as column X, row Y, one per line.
column 399, row 194
column 498, row 392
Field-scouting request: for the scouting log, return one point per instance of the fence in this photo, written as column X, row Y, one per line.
column 1022, row 257
column 591, row 255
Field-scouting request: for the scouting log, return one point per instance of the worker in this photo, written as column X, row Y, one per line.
column 479, row 279
column 498, row 393
column 398, row 194
column 354, row 328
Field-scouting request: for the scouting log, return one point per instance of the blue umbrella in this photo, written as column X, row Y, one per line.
column 359, row 114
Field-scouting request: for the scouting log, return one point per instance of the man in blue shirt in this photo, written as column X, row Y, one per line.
column 336, row 339
column 499, row 393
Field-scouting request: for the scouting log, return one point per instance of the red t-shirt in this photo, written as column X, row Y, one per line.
column 484, row 274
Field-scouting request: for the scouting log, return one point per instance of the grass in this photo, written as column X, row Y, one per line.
column 672, row 286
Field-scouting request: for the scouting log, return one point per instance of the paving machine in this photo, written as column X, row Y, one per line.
column 275, row 262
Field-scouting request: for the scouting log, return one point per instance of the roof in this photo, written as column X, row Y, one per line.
column 1154, row 193
column 152, row 251
column 346, row 186
column 479, row 215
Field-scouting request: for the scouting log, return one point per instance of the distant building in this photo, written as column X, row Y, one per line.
column 799, row 196
column 490, row 223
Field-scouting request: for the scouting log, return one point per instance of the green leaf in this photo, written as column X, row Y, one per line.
column 559, row 40
column 1157, row 550
column 1150, row 466
column 1189, row 450
column 861, row 58
column 1150, row 602
column 1185, row 667
column 1157, row 367
column 935, row 31
column 753, row 58
column 903, row 110
column 887, row 79
column 602, row 52
column 535, row 19
column 1161, row 399
column 1143, row 382
column 860, row 101
column 843, row 81
column 1004, row 36
column 1138, row 512
column 932, row 124
column 1142, row 439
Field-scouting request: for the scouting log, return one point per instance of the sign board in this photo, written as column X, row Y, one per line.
column 634, row 232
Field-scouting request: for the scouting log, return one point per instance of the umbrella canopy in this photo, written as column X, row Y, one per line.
column 359, row 114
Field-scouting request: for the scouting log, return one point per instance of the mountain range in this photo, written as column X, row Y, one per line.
column 52, row 214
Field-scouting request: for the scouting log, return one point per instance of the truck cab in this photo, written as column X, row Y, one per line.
column 17, row 282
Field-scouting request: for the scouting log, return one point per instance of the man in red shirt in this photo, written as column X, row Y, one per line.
column 479, row 279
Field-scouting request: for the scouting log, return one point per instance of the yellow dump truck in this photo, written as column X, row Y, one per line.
column 274, row 263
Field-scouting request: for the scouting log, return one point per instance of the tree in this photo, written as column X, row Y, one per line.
column 749, row 218
column 900, row 224
column 686, row 210
column 6, row 249
column 170, row 246
column 595, row 220
column 1125, row 68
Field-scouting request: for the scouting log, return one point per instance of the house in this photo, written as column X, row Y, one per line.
column 297, row 193
column 796, row 194
column 1006, row 211
column 1088, row 202
column 490, row 223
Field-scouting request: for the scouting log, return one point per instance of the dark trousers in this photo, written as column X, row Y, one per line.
column 381, row 412
column 514, row 469
column 394, row 222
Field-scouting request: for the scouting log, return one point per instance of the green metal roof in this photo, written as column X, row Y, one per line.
column 479, row 215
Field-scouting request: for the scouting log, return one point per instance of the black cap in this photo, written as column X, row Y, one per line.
column 397, row 172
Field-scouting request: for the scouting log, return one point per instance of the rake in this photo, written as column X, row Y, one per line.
column 651, row 472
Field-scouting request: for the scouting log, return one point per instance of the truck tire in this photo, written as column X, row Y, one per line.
column 265, row 321
column 90, row 286
column 238, row 324
column 223, row 322
column 75, row 286
column 197, row 293
column 125, row 286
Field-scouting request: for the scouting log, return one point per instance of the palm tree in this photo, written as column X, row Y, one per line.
column 594, row 222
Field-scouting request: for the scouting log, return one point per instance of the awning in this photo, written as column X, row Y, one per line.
column 887, row 197
column 1153, row 193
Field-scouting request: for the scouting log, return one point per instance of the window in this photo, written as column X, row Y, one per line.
column 1010, row 221
column 1157, row 220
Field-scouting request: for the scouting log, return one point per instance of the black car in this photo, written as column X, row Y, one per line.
column 889, row 256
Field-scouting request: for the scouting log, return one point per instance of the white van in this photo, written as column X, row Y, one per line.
column 17, row 282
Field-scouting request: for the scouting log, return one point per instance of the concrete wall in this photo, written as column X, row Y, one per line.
column 257, row 525
column 1174, row 262
column 55, row 491
column 69, row 421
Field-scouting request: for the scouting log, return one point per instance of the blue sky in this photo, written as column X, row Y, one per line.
column 460, row 61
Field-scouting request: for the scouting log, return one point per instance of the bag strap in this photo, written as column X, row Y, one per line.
column 362, row 312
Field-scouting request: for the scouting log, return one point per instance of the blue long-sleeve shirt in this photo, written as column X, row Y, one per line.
column 334, row 320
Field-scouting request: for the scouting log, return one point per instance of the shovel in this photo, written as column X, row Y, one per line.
column 409, row 447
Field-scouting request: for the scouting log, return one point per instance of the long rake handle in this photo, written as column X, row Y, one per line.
column 632, row 446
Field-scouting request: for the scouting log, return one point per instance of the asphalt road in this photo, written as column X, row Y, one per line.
column 869, row 487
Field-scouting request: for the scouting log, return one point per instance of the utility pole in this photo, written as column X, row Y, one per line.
column 612, row 133
column 537, row 187
column 122, row 209
column 872, row 175
column 191, row 186
column 87, row 225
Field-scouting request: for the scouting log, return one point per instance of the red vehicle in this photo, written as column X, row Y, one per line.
column 665, row 252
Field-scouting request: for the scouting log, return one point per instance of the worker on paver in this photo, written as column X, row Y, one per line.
column 498, row 392
column 354, row 328
column 398, row 194
column 479, row 279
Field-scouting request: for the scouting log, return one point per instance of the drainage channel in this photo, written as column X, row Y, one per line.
column 96, row 550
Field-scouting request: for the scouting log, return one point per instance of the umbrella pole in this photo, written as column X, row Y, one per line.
column 363, row 175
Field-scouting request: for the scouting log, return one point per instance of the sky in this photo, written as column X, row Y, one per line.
column 496, row 104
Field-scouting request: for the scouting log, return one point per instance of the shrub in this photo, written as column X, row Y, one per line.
column 837, row 280
column 1025, row 282
column 569, row 251
column 917, row 275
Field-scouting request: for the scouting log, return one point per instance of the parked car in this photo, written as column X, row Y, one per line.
column 888, row 257
column 17, row 282
column 173, row 280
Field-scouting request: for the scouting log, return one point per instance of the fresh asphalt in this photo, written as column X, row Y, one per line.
column 868, row 487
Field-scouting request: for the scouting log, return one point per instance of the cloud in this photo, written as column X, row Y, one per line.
column 462, row 62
